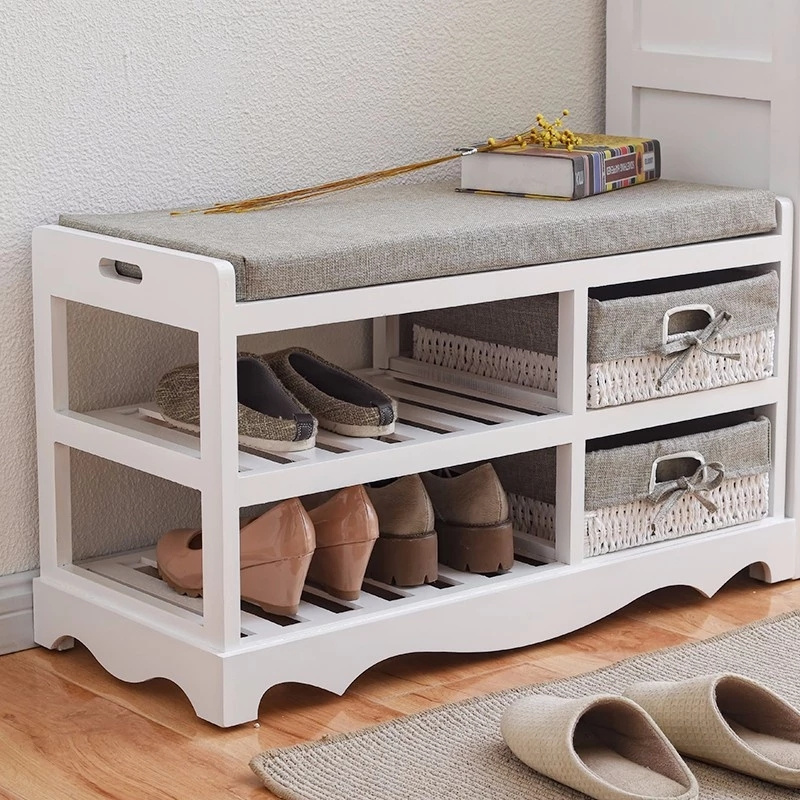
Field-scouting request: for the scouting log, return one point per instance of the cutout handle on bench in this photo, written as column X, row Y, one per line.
column 120, row 270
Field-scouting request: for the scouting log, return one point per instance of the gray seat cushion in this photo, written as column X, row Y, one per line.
column 388, row 233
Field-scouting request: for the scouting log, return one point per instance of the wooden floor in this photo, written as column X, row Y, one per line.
column 68, row 730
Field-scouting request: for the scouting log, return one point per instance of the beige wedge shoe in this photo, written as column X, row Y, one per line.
column 275, row 554
column 729, row 721
column 604, row 746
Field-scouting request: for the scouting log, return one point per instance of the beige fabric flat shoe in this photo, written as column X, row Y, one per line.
column 270, row 418
column 341, row 401
column 604, row 746
column 729, row 721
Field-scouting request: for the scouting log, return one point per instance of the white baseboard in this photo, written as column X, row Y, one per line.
column 16, row 612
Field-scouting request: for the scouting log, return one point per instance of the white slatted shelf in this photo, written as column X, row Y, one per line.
column 320, row 611
column 121, row 434
column 445, row 400
column 137, row 570
column 534, row 547
column 476, row 385
column 442, row 428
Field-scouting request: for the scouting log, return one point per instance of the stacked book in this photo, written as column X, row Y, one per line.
column 599, row 164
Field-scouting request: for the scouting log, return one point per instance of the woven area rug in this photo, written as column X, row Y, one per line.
column 456, row 751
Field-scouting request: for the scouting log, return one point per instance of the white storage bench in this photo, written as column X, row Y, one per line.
column 382, row 254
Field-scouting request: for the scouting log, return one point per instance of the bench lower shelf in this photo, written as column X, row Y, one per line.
column 138, row 629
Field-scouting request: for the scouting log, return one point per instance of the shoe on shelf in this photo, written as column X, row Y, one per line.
column 275, row 554
column 342, row 402
column 406, row 552
column 604, row 746
column 270, row 419
column 346, row 526
column 729, row 721
column 472, row 519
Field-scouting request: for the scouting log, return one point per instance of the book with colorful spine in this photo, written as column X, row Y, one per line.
column 599, row 163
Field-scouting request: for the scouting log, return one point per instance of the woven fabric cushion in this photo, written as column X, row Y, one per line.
column 389, row 233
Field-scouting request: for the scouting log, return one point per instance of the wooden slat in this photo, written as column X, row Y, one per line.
column 477, row 386
column 444, row 400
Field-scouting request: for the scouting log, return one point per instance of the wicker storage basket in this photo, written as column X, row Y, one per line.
column 645, row 340
column 652, row 485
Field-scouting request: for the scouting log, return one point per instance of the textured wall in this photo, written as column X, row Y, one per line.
column 117, row 107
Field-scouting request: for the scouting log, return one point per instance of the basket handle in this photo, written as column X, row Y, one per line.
column 704, row 307
column 698, row 484
column 683, row 345
column 694, row 455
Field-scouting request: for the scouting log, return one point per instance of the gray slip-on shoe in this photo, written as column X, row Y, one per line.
column 341, row 402
column 270, row 418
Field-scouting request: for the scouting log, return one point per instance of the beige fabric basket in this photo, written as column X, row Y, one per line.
column 651, row 486
column 645, row 340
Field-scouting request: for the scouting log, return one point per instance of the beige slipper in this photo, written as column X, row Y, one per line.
column 604, row 746
column 729, row 721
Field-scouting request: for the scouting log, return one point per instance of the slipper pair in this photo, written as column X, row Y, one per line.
column 629, row 747
column 283, row 397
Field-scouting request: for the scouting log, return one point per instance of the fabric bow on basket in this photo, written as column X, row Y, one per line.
column 696, row 485
column 686, row 344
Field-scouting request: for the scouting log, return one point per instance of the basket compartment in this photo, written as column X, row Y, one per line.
column 645, row 340
column 653, row 485
column 530, row 483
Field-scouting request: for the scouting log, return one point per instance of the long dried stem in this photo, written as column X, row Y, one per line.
column 546, row 135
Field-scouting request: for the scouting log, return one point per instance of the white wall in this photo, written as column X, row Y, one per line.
column 124, row 106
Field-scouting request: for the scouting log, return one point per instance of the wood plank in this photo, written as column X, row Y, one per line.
column 59, row 739
column 425, row 699
column 507, row 678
